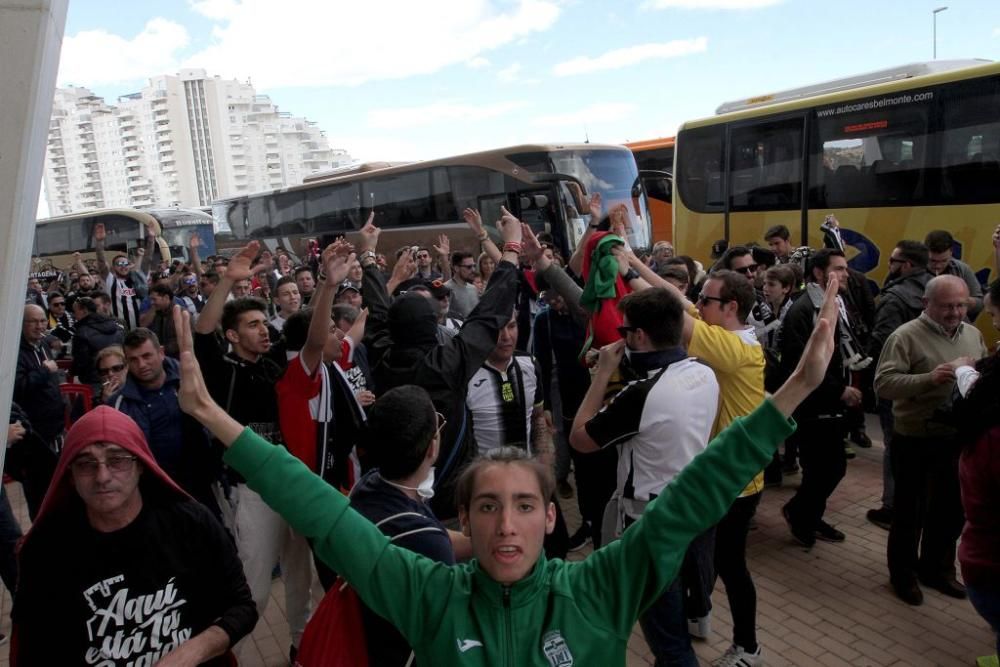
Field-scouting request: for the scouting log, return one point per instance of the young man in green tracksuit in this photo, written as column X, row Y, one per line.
column 511, row 606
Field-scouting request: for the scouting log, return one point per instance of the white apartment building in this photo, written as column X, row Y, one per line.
column 187, row 140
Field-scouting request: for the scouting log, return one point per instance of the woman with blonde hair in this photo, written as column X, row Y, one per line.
column 112, row 370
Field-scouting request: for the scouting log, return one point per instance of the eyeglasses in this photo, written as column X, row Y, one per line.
column 88, row 467
column 897, row 260
column 121, row 263
column 704, row 298
column 108, row 370
column 466, row 266
column 751, row 268
column 56, row 304
column 441, row 421
column 625, row 330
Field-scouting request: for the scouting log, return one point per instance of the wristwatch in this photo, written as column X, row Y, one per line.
column 367, row 254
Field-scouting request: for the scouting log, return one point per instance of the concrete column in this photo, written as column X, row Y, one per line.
column 31, row 33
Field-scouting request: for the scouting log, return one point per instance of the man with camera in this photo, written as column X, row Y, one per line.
column 917, row 373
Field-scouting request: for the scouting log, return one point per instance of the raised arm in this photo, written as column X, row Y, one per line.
column 78, row 264
column 147, row 257
column 194, row 242
column 334, row 265
column 240, row 268
column 443, row 249
column 100, row 234
column 475, row 223
column 554, row 275
column 594, row 206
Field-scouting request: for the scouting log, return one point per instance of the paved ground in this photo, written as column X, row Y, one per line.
column 829, row 606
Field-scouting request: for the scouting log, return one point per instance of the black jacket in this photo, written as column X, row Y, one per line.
column 412, row 355
column 93, row 333
column 901, row 301
column 796, row 328
column 36, row 390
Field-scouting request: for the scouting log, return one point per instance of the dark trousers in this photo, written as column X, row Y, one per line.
column 927, row 512
column 596, row 479
column 987, row 603
column 731, row 566
column 824, row 463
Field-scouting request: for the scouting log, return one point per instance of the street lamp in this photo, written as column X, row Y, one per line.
column 935, row 13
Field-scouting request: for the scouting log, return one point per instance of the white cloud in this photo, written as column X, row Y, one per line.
column 509, row 74
column 310, row 43
column 596, row 113
column 709, row 4
column 438, row 112
column 96, row 57
column 996, row 32
column 215, row 9
column 477, row 63
column 631, row 55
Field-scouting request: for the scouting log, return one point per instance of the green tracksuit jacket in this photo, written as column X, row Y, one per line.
column 562, row 614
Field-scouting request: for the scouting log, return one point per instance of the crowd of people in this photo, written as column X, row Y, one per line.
column 456, row 401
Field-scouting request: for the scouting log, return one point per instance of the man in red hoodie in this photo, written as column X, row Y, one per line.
column 121, row 566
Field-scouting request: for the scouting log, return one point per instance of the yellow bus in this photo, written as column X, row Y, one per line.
column 892, row 154
column 655, row 159
column 544, row 185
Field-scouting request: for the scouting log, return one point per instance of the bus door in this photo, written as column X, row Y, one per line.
column 658, row 186
column 766, row 161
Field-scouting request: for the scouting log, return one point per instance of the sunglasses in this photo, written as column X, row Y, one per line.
column 108, row 370
column 122, row 263
column 441, row 421
column 704, row 298
column 88, row 467
column 625, row 330
column 748, row 269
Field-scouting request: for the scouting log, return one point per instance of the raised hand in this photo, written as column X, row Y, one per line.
column 369, row 235
column 595, row 207
column 820, row 346
column 337, row 259
column 152, row 229
column 473, row 220
column 194, row 240
column 443, row 247
column 405, row 268
column 192, row 395
column 533, row 250
column 624, row 263
column 241, row 266
column 509, row 226
column 619, row 220
column 99, row 232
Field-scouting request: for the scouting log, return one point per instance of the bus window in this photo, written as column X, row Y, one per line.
column 872, row 158
column 400, row 200
column 970, row 144
column 766, row 166
column 700, row 163
column 334, row 208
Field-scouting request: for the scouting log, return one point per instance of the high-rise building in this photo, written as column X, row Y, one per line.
column 186, row 140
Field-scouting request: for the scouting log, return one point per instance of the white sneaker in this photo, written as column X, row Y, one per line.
column 701, row 627
column 737, row 657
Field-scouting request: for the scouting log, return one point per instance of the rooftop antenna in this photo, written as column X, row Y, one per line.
column 586, row 135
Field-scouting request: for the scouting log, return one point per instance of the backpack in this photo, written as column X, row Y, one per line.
column 335, row 634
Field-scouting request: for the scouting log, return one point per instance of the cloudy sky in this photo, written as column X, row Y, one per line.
column 417, row 79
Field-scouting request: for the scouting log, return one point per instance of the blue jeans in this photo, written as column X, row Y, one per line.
column 664, row 625
column 987, row 604
column 10, row 533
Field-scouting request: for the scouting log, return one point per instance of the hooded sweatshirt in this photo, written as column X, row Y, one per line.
column 132, row 595
column 403, row 348
column 901, row 301
column 93, row 333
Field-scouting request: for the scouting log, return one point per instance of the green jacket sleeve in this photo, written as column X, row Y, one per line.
column 392, row 581
column 619, row 581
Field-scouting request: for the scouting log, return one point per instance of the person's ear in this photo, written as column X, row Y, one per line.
column 232, row 336
column 550, row 518
column 463, row 520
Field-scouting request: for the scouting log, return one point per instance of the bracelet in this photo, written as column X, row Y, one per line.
column 630, row 275
column 512, row 246
column 321, row 276
column 482, row 237
column 366, row 254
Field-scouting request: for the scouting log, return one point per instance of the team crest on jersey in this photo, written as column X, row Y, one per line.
column 556, row 650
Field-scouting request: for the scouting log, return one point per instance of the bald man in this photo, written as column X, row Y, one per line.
column 917, row 373
column 36, row 390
